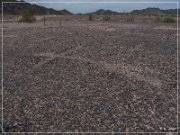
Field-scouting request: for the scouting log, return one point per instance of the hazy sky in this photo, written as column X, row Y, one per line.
column 120, row 7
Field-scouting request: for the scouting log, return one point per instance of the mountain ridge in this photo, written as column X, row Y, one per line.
column 155, row 11
column 17, row 9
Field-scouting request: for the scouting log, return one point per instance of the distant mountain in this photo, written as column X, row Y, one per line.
column 104, row 12
column 147, row 11
column 65, row 12
column 155, row 11
column 171, row 11
column 20, row 8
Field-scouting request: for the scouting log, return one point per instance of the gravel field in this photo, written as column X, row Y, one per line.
column 90, row 77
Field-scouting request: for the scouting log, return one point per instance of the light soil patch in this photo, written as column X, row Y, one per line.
column 165, row 28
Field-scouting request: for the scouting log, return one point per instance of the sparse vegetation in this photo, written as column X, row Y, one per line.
column 166, row 19
column 28, row 18
column 157, row 19
column 129, row 19
column 107, row 18
column 169, row 19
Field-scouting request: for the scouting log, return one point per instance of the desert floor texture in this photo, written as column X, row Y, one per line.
column 89, row 77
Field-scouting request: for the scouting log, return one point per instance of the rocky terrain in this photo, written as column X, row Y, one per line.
column 90, row 77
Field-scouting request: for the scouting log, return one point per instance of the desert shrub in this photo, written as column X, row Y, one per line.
column 169, row 19
column 158, row 19
column 28, row 18
column 107, row 18
column 129, row 19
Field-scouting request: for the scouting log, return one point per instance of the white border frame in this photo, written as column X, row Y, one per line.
column 2, row 59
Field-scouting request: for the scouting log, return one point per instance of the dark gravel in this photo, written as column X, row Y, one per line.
column 90, row 78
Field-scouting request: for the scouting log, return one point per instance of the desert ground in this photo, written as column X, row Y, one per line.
column 89, row 76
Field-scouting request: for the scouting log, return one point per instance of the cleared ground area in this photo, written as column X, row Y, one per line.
column 90, row 77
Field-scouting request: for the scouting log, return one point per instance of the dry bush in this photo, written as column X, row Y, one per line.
column 28, row 18
column 169, row 19
column 166, row 19
column 158, row 19
column 107, row 18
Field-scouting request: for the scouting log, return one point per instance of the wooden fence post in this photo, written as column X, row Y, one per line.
column 60, row 22
column 44, row 19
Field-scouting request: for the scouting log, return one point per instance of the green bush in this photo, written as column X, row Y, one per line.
column 158, row 19
column 28, row 18
column 107, row 18
column 169, row 19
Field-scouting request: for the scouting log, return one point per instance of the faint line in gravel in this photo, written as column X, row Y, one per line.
column 129, row 71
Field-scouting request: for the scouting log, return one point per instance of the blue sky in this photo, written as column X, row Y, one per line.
column 84, row 8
